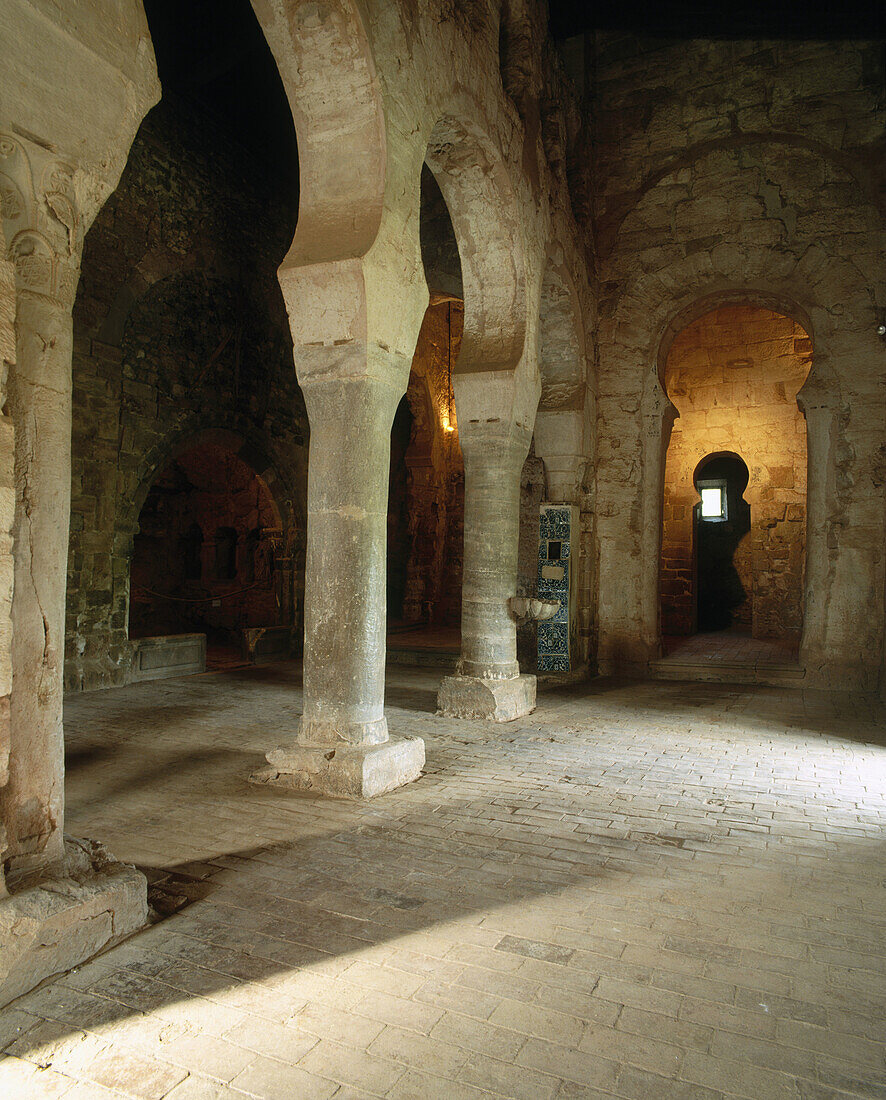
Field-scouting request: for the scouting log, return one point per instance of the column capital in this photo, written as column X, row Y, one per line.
column 42, row 220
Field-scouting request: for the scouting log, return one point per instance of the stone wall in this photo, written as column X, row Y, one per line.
column 180, row 330
column 729, row 172
column 734, row 375
column 7, row 496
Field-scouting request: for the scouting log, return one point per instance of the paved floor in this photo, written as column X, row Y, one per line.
column 730, row 646
column 664, row 891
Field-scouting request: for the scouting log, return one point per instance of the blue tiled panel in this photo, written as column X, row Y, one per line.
column 554, row 523
column 553, row 635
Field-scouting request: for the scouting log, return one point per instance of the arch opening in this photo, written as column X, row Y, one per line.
column 721, row 522
column 732, row 567
column 207, row 553
column 479, row 199
column 179, row 311
column 426, row 498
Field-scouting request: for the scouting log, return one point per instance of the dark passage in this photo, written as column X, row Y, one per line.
column 723, row 601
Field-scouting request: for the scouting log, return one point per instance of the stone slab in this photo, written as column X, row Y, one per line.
column 344, row 771
column 56, row 925
column 168, row 655
column 494, row 700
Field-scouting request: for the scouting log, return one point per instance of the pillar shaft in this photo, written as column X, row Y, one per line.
column 44, row 240
column 493, row 465
column 343, row 748
column 40, row 402
column 487, row 682
column 345, row 573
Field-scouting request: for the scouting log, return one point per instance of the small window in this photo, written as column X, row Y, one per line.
column 713, row 500
column 555, row 551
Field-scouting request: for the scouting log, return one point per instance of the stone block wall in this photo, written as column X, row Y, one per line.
column 7, row 511
column 180, row 330
column 734, row 375
column 726, row 172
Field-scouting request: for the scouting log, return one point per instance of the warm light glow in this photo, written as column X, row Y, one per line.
column 448, row 428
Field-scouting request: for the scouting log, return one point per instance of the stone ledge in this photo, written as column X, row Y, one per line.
column 344, row 771
column 59, row 924
column 494, row 700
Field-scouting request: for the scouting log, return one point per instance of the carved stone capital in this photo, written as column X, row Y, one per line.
column 41, row 220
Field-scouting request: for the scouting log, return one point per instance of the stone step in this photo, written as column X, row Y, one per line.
column 728, row 672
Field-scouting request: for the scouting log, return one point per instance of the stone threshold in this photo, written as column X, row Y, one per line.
column 712, row 670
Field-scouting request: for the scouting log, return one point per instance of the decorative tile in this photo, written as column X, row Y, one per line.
column 549, row 662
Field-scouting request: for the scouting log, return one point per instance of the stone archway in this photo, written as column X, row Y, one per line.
column 776, row 260
column 733, row 374
column 496, row 393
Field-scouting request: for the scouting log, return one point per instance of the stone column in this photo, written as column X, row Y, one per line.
column 343, row 748
column 820, row 405
column 487, row 683
column 68, row 899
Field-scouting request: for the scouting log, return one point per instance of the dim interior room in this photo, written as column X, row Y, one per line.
column 442, row 550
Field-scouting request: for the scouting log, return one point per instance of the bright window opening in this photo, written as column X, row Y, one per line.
column 711, row 503
column 713, row 500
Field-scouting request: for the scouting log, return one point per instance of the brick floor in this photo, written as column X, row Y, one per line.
column 665, row 891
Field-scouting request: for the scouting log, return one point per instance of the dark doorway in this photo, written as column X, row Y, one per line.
column 203, row 558
column 722, row 522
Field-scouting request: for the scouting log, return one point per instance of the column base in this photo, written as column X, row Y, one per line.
column 494, row 700
column 50, row 928
column 344, row 770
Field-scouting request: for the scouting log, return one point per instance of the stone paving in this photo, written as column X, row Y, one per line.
column 662, row 890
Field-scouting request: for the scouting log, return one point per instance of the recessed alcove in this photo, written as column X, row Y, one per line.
column 733, row 375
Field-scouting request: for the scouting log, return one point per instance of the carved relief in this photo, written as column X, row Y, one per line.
column 40, row 218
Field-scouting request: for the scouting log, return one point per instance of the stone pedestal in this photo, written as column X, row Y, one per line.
column 495, row 700
column 348, row 771
column 487, row 683
column 93, row 902
column 343, row 748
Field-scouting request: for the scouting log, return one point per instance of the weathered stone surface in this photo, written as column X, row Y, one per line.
column 735, row 207
column 46, row 929
column 734, row 376
column 173, row 655
column 181, row 340
column 495, row 700
column 344, row 771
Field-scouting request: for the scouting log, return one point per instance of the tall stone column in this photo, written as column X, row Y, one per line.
column 487, row 683
column 343, row 748
column 67, row 899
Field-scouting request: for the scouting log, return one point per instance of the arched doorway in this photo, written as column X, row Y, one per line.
column 721, row 524
column 206, row 553
column 733, row 375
